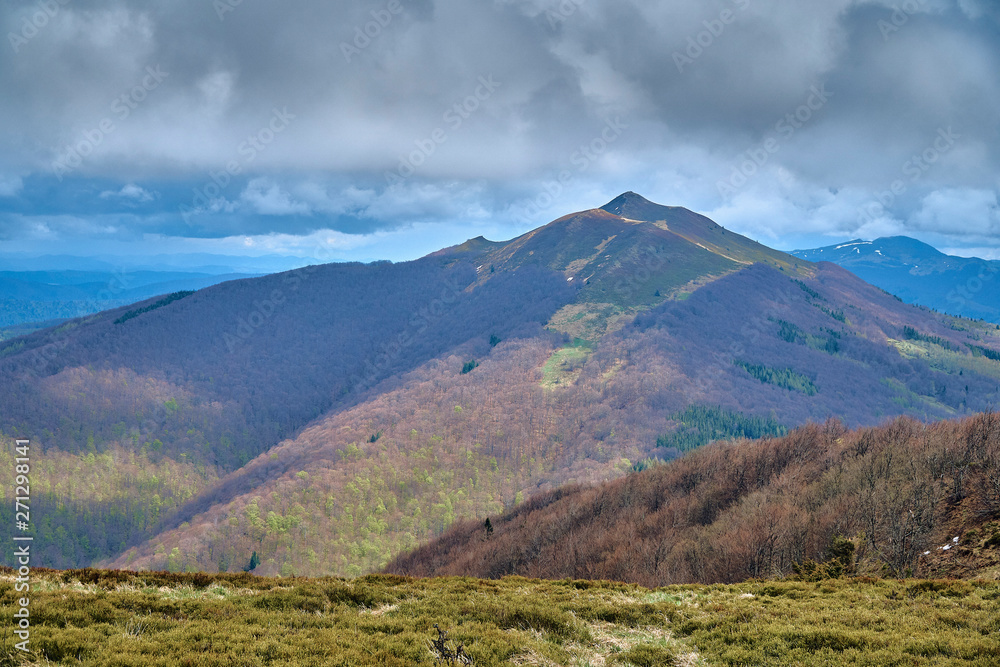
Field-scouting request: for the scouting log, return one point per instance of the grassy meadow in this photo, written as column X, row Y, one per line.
column 114, row 618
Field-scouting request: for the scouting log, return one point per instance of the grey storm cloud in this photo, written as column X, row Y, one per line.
column 773, row 117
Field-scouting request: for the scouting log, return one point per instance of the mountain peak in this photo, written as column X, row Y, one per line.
column 636, row 207
column 475, row 246
column 625, row 201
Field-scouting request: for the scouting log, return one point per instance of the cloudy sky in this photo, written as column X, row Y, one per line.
column 390, row 128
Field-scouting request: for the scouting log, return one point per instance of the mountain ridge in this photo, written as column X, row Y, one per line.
column 920, row 274
column 332, row 417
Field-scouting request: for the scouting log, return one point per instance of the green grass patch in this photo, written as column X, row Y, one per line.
column 909, row 333
column 948, row 359
column 565, row 365
column 93, row 617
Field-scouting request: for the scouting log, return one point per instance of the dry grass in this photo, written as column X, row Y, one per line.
column 150, row 619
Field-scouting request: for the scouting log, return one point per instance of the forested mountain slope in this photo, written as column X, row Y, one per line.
column 205, row 382
column 439, row 444
column 330, row 417
column 909, row 498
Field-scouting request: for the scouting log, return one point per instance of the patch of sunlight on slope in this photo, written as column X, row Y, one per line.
column 591, row 321
column 565, row 365
column 947, row 361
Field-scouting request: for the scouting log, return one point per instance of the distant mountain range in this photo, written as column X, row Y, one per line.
column 35, row 297
column 198, row 262
column 332, row 417
column 919, row 274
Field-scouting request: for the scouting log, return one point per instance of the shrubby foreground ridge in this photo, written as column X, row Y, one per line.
column 909, row 498
column 157, row 619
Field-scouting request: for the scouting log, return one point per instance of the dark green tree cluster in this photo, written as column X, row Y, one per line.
column 785, row 378
column 701, row 424
column 254, row 562
column 979, row 350
column 808, row 290
column 170, row 298
column 909, row 333
column 790, row 333
column 835, row 314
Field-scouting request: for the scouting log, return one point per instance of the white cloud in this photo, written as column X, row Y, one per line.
column 974, row 212
column 354, row 121
column 981, row 252
column 130, row 192
column 266, row 197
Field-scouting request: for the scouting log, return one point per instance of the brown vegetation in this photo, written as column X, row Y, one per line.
column 750, row 509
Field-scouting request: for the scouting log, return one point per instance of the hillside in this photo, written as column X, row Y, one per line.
column 191, row 390
column 332, row 417
column 437, row 444
column 918, row 273
column 901, row 499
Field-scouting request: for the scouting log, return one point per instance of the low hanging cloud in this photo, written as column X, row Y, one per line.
column 266, row 197
column 214, row 120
